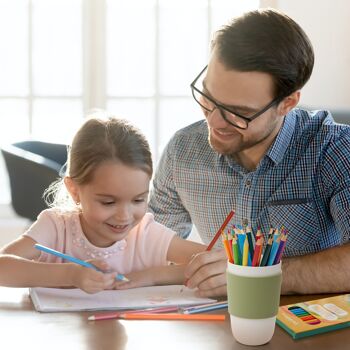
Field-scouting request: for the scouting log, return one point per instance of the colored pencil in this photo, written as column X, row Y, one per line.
column 185, row 317
column 217, row 235
column 257, row 251
column 115, row 315
column 274, row 248
column 245, row 252
column 229, row 239
column 74, row 260
column 227, row 247
column 221, row 229
column 258, row 234
column 267, row 250
column 250, row 242
column 280, row 249
column 204, row 307
column 236, row 251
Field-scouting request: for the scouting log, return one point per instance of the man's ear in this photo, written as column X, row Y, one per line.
column 288, row 103
column 72, row 188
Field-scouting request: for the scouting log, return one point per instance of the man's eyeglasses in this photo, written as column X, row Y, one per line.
column 230, row 116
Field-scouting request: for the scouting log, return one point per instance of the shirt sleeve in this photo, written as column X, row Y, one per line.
column 336, row 182
column 153, row 242
column 45, row 232
column 165, row 202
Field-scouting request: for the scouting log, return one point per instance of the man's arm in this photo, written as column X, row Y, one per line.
column 323, row 272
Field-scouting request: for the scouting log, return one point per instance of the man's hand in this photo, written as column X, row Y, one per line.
column 207, row 272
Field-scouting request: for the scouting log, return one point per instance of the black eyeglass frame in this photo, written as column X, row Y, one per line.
column 220, row 107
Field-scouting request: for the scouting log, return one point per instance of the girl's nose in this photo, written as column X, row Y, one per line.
column 123, row 213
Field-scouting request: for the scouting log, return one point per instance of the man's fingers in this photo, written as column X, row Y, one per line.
column 206, row 274
column 202, row 259
column 212, row 293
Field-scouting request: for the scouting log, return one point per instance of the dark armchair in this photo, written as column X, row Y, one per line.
column 32, row 166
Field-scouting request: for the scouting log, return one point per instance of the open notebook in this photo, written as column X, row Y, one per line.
column 58, row 300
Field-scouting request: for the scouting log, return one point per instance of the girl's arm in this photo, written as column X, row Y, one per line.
column 18, row 268
column 180, row 251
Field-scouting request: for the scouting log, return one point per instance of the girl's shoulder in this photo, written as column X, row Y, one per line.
column 58, row 215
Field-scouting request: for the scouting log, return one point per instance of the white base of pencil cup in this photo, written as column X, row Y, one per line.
column 252, row 332
column 253, row 299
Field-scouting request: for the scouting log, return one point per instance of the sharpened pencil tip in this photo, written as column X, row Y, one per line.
column 120, row 277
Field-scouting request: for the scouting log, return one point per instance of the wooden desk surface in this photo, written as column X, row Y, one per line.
column 21, row 327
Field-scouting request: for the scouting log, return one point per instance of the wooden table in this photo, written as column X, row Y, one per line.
column 21, row 327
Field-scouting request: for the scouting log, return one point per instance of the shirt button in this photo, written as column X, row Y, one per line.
column 245, row 222
column 248, row 183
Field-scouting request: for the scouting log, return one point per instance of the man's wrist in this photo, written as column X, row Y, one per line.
column 288, row 276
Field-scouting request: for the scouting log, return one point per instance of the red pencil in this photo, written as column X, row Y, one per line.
column 221, row 229
column 257, row 251
column 217, row 235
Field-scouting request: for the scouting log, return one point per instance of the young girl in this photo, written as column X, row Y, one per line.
column 103, row 219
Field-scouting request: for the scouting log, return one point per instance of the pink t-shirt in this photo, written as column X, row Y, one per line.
column 146, row 244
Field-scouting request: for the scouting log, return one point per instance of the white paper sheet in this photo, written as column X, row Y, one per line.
column 60, row 300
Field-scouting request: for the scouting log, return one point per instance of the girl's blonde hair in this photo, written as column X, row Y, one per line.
column 99, row 140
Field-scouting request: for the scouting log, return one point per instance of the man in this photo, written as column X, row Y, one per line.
column 256, row 153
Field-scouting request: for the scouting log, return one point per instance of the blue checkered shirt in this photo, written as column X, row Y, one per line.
column 302, row 183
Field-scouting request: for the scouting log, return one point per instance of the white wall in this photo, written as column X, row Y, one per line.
column 327, row 24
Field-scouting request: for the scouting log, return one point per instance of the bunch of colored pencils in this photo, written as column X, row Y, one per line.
column 243, row 247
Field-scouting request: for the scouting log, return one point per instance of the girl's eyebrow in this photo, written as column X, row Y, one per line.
column 111, row 196
column 233, row 107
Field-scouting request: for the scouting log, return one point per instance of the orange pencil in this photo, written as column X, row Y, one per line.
column 228, row 250
column 187, row 317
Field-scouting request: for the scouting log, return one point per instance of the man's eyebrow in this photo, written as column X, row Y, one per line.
column 230, row 107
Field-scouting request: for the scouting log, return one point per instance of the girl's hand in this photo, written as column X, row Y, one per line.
column 137, row 279
column 90, row 280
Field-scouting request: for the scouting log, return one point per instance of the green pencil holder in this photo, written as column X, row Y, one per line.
column 253, row 295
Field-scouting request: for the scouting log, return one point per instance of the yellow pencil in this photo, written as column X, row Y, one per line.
column 191, row 317
column 245, row 252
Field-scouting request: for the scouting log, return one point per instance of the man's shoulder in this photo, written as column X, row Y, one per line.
column 319, row 122
column 197, row 129
column 191, row 138
column 191, row 144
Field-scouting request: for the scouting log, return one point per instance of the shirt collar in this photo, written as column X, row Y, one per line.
column 280, row 145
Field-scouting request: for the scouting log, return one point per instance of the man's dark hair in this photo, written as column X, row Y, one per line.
column 268, row 41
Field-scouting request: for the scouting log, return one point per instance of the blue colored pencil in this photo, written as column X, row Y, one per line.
column 203, row 308
column 74, row 260
column 274, row 249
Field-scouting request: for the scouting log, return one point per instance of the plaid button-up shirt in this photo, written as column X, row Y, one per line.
column 302, row 183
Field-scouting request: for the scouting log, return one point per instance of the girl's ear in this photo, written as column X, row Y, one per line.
column 72, row 188
column 288, row 103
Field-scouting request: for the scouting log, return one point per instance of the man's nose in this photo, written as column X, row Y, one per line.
column 215, row 118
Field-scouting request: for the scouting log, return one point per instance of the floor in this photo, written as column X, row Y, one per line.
column 11, row 225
